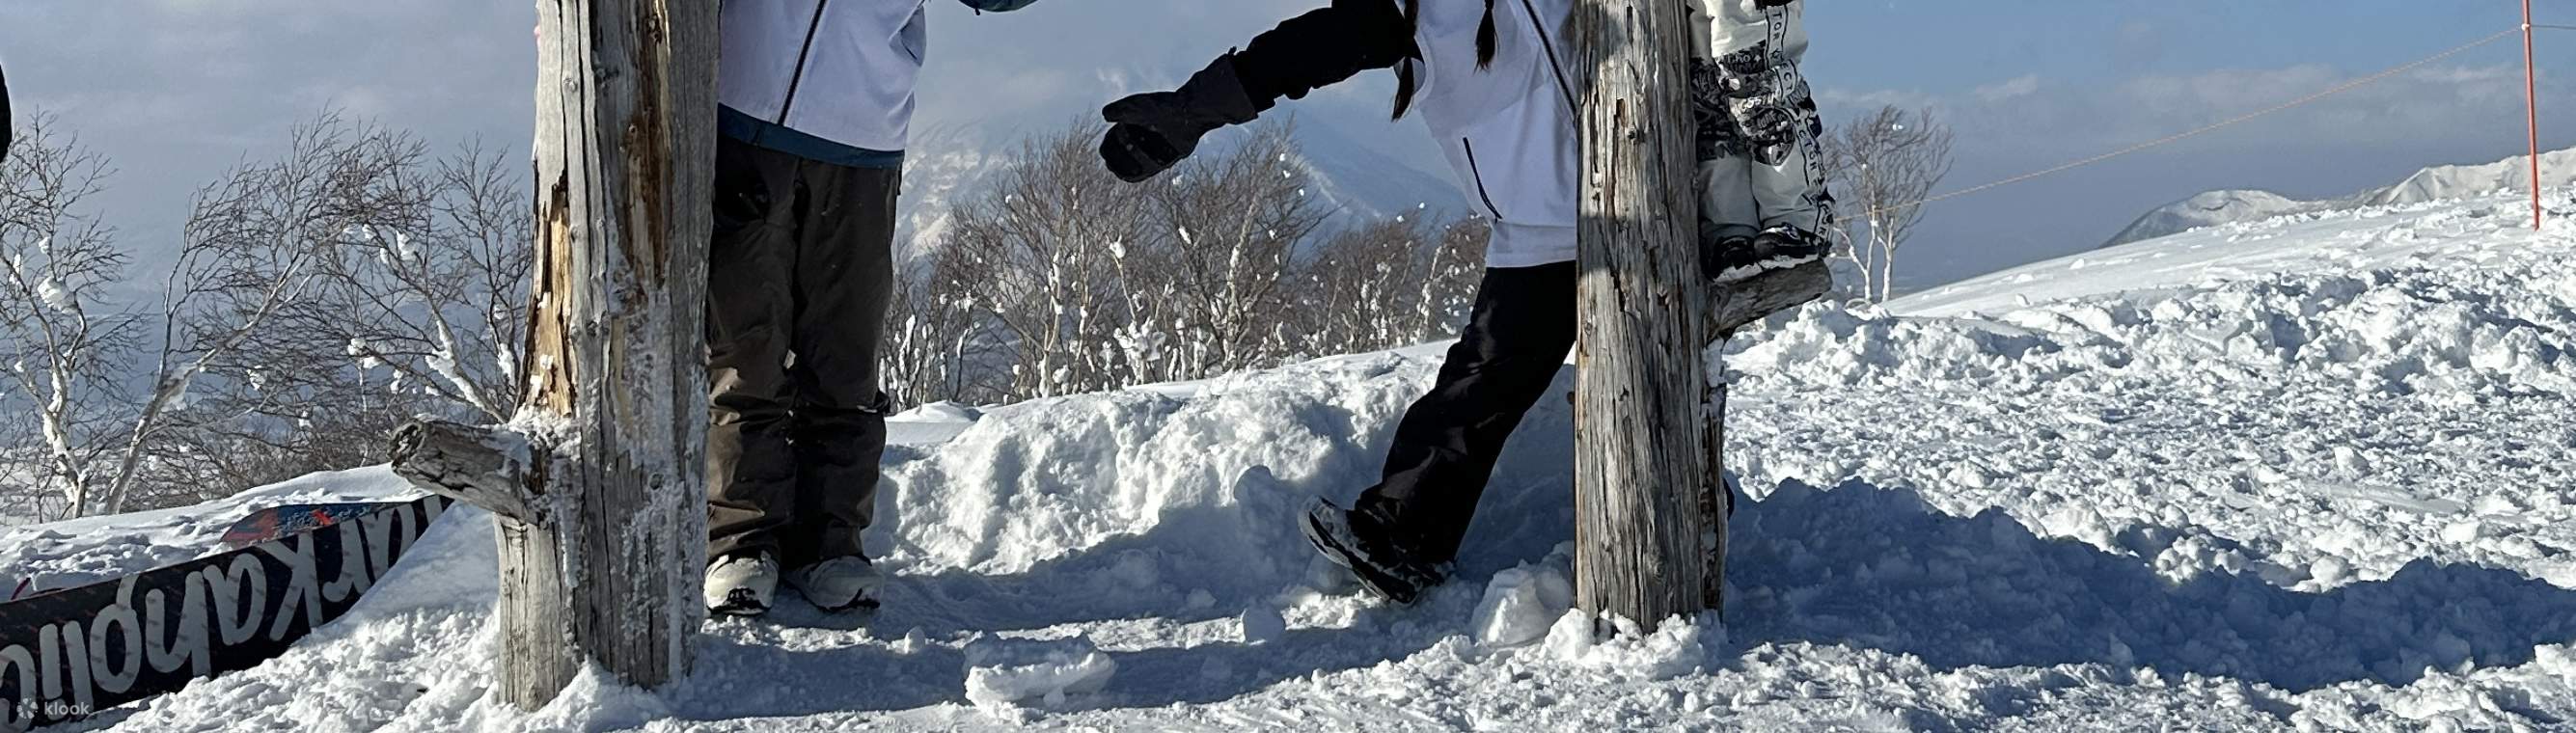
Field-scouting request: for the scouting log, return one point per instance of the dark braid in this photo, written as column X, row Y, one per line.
column 1405, row 83
column 1485, row 38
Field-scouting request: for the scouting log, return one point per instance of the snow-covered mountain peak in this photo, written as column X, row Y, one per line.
column 2436, row 183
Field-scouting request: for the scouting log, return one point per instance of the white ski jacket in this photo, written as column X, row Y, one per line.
column 1508, row 128
column 840, row 73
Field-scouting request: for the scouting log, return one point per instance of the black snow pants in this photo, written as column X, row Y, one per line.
column 1515, row 340
column 797, row 285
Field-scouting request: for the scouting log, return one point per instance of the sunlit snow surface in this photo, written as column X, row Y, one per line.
column 2302, row 474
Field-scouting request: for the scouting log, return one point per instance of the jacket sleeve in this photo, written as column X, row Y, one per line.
column 1323, row 47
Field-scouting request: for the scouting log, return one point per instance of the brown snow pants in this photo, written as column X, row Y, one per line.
column 797, row 284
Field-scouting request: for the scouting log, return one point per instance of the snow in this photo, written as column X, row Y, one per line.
column 1521, row 604
column 2214, row 208
column 2305, row 473
column 2206, row 209
column 1007, row 673
column 83, row 551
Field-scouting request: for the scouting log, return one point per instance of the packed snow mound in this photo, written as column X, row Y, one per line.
column 2214, row 208
column 1005, row 673
column 2208, row 209
column 2176, row 485
column 2460, row 181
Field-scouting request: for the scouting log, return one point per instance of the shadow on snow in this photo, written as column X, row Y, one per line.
column 1881, row 569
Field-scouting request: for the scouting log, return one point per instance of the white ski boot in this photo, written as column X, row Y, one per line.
column 839, row 584
column 741, row 585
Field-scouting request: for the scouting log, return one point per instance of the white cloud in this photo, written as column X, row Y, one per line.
column 2022, row 86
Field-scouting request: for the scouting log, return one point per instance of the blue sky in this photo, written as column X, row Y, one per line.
column 175, row 90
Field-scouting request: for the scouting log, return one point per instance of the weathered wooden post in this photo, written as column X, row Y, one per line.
column 598, row 485
column 1650, row 506
column 1643, row 525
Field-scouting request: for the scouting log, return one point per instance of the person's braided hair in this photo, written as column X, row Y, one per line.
column 1406, row 85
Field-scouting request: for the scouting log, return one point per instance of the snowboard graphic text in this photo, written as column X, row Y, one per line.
column 68, row 653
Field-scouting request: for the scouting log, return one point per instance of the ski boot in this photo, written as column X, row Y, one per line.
column 841, row 584
column 1776, row 248
column 1386, row 570
column 741, row 585
column 1725, row 255
column 1789, row 244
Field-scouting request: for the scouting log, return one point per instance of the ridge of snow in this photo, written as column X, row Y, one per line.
column 2213, row 208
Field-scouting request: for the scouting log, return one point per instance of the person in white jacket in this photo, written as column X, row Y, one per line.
column 1489, row 79
column 816, row 100
column 1762, row 178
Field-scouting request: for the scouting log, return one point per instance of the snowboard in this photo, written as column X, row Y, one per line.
column 68, row 653
column 271, row 523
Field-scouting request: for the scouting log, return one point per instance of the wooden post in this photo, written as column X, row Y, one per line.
column 598, row 485
column 1648, row 502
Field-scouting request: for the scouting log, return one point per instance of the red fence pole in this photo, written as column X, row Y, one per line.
column 2531, row 97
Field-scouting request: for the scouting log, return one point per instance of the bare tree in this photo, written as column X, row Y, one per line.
column 1060, row 279
column 1228, row 226
column 64, row 341
column 939, row 343
column 1885, row 163
column 249, row 252
column 427, row 289
column 1358, row 288
column 1047, row 238
column 1450, row 278
column 331, row 294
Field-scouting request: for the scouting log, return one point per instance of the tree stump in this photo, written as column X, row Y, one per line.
column 598, row 485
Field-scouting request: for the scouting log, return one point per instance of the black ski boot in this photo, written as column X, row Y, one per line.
column 1789, row 244
column 1726, row 254
column 1383, row 568
column 1776, row 248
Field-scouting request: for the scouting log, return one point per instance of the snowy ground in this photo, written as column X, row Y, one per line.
column 2290, row 475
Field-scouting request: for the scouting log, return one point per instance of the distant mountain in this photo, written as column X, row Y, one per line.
column 1361, row 182
column 1350, row 177
column 2440, row 182
column 2210, row 208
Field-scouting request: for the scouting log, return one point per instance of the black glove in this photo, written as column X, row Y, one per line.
column 1152, row 131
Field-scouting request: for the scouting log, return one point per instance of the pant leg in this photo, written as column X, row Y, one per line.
column 844, row 281
column 1515, row 341
column 751, row 470
column 1726, row 203
column 1787, row 163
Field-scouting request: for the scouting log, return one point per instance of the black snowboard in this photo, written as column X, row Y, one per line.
column 67, row 653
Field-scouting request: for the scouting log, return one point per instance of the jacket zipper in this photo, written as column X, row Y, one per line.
column 798, row 78
column 1478, row 173
column 1562, row 84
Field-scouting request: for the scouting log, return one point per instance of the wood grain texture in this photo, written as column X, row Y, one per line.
column 1644, row 463
column 469, row 464
column 1733, row 305
column 624, row 154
